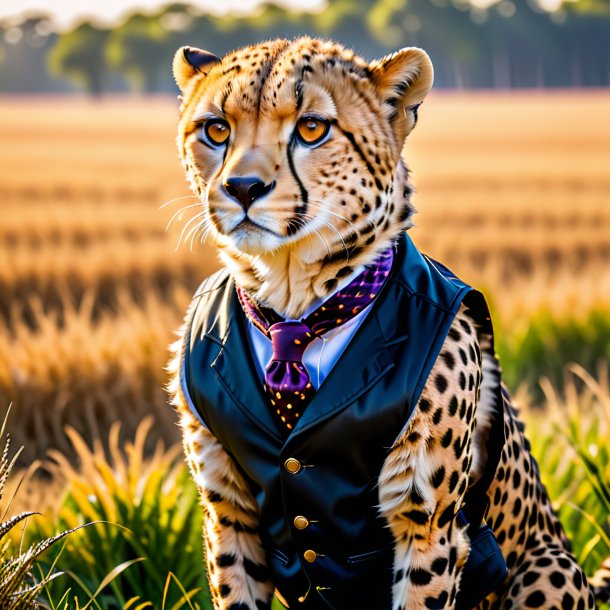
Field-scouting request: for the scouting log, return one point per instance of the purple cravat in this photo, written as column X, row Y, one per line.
column 287, row 382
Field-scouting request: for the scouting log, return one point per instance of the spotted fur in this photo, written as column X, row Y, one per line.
column 424, row 479
column 601, row 582
column 237, row 572
column 327, row 210
column 333, row 207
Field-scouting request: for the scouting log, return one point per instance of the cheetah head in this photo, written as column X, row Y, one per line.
column 294, row 149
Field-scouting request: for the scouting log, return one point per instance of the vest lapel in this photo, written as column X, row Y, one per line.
column 366, row 358
column 361, row 365
column 234, row 366
column 364, row 362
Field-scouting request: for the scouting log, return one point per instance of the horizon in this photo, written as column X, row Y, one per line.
column 65, row 14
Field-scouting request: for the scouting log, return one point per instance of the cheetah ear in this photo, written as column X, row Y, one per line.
column 189, row 61
column 403, row 80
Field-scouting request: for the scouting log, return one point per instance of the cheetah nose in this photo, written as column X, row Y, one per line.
column 246, row 190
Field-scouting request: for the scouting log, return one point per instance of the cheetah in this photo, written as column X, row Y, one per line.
column 294, row 151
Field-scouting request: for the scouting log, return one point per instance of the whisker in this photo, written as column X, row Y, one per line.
column 204, row 234
column 319, row 235
column 207, row 227
column 320, row 203
column 310, row 217
column 191, row 220
column 323, row 241
column 327, row 224
column 180, row 211
column 191, row 233
column 201, row 228
column 301, row 224
column 176, row 199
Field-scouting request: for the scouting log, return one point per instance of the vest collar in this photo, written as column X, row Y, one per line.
column 363, row 363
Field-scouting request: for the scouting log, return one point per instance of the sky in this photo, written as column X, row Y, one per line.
column 109, row 12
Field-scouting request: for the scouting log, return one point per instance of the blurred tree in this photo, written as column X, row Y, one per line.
column 3, row 29
column 347, row 22
column 592, row 7
column 23, row 49
column 139, row 49
column 510, row 43
column 80, row 55
column 500, row 43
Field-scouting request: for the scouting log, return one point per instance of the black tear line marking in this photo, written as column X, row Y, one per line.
column 304, row 194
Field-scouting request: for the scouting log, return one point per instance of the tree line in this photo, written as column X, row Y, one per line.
column 510, row 44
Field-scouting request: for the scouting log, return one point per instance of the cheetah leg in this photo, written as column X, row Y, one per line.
column 237, row 569
column 425, row 476
column 542, row 572
column 235, row 558
column 549, row 577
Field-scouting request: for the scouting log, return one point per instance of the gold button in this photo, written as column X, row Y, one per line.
column 301, row 522
column 292, row 466
column 310, row 556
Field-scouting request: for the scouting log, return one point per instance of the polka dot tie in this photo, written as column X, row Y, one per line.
column 287, row 382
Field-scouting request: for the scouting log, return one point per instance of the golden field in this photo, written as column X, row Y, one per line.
column 512, row 190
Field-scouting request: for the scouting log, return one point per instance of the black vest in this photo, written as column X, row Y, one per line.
column 326, row 470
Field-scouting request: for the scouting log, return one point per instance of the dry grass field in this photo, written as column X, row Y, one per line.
column 512, row 190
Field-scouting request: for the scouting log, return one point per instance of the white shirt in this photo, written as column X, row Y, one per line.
column 322, row 353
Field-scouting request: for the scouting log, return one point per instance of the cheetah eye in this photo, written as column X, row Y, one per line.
column 216, row 132
column 312, row 130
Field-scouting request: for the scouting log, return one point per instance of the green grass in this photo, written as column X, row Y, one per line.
column 571, row 441
column 19, row 585
column 149, row 516
column 152, row 520
column 543, row 347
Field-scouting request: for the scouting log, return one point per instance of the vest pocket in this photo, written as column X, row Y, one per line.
column 277, row 555
column 367, row 556
column 360, row 581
